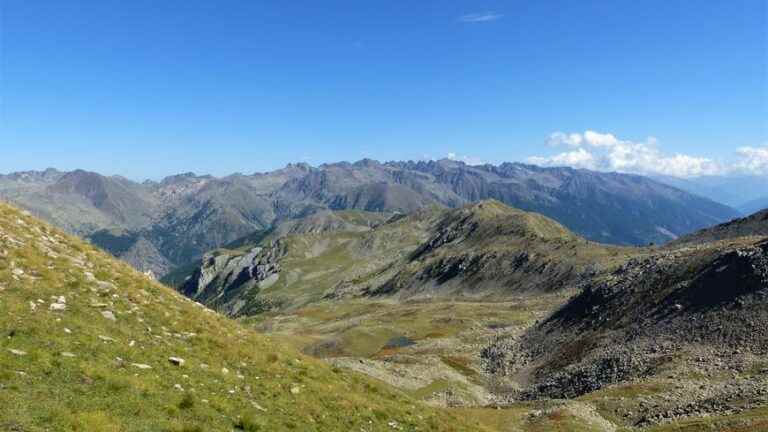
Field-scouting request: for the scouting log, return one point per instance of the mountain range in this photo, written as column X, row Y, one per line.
column 746, row 193
column 160, row 226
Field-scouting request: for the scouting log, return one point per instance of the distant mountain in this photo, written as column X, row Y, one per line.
column 606, row 207
column 754, row 205
column 183, row 216
column 734, row 191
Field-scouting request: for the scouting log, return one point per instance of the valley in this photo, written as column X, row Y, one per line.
column 490, row 306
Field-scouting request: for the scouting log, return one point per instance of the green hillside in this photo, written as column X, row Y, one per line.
column 91, row 345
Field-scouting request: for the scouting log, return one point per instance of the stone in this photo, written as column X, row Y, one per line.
column 67, row 354
column 17, row 352
column 178, row 361
column 58, row 307
column 141, row 366
column 109, row 315
column 106, row 286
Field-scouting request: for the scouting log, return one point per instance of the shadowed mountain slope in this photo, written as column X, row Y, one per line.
column 754, row 225
column 698, row 309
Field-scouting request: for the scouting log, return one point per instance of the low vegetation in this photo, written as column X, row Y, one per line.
column 88, row 344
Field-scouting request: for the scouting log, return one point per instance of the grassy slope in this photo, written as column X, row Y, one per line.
column 232, row 377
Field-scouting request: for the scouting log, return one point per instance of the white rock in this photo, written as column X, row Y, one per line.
column 67, row 354
column 106, row 286
column 17, row 352
column 109, row 315
column 141, row 365
column 67, row 331
column 178, row 361
column 58, row 307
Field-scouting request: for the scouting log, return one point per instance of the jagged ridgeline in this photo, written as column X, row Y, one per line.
column 160, row 226
column 89, row 344
column 485, row 250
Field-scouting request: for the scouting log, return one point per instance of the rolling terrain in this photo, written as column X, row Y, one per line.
column 487, row 305
column 160, row 226
column 484, row 250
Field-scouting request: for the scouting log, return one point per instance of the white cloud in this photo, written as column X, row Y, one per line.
column 579, row 158
column 753, row 160
column 480, row 17
column 605, row 152
column 559, row 138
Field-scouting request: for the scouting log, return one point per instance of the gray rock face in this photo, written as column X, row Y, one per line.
column 229, row 280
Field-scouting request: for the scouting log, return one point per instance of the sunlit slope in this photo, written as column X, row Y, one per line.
column 90, row 345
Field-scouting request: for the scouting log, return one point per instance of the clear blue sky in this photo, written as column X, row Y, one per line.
column 146, row 88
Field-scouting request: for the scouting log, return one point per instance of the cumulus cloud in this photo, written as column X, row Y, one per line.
column 480, row 17
column 606, row 152
column 753, row 160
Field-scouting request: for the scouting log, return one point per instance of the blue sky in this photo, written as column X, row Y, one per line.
column 149, row 88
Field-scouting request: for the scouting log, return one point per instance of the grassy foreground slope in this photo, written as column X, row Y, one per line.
column 88, row 344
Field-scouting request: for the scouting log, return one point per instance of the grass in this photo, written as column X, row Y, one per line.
column 755, row 420
column 520, row 419
column 232, row 377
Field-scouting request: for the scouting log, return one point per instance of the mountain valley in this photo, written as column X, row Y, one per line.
column 487, row 305
column 451, row 313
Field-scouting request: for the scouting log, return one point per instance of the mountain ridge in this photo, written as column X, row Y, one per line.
column 186, row 215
